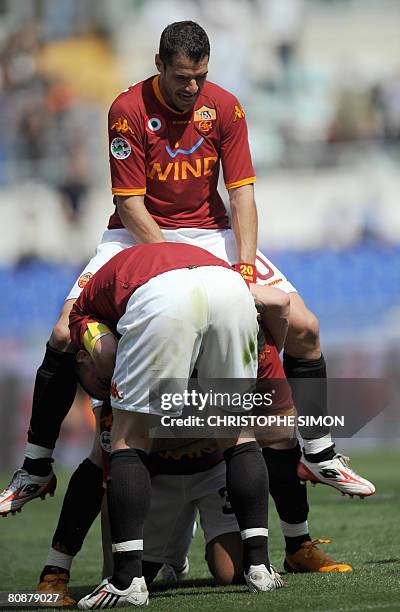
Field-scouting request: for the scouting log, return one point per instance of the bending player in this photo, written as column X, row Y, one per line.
column 205, row 490
column 178, row 128
column 165, row 302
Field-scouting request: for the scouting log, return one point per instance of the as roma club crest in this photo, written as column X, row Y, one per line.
column 204, row 119
column 84, row 279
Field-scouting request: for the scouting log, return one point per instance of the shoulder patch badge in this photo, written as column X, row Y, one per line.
column 120, row 148
column 84, row 279
column 105, row 441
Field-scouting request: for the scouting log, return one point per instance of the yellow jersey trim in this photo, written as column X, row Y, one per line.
column 128, row 192
column 160, row 98
column 246, row 181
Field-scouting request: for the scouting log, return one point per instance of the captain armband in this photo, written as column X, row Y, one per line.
column 93, row 333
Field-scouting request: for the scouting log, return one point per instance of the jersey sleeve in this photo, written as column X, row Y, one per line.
column 127, row 157
column 82, row 321
column 78, row 323
column 235, row 151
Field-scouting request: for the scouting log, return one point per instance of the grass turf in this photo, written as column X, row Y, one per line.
column 365, row 534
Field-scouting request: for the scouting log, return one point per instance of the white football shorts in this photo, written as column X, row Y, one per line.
column 220, row 243
column 203, row 317
column 175, row 502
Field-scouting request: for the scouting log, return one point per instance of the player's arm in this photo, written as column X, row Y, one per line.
column 128, row 173
column 137, row 219
column 244, row 222
column 239, row 177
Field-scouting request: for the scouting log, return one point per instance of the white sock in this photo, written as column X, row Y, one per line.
column 33, row 451
column 59, row 559
column 312, row 447
column 293, row 530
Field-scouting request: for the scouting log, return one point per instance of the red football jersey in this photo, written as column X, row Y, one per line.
column 106, row 294
column 173, row 158
column 271, row 376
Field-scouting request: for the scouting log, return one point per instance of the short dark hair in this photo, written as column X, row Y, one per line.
column 184, row 38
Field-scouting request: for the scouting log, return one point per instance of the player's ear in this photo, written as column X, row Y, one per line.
column 159, row 63
column 82, row 356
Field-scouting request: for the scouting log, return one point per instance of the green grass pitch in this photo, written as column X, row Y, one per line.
column 364, row 533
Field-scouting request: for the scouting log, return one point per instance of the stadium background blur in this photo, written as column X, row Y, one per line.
column 320, row 82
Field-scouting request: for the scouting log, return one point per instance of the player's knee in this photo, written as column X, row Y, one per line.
column 224, row 559
column 311, row 329
column 60, row 338
column 224, row 573
column 223, row 576
column 304, row 330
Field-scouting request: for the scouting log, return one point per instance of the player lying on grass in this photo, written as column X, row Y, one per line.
column 168, row 303
column 191, row 478
column 169, row 136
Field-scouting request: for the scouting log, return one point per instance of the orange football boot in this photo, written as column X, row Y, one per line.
column 56, row 584
column 310, row 558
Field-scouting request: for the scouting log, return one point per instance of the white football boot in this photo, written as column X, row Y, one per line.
column 336, row 473
column 108, row 596
column 23, row 488
column 259, row 579
column 171, row 574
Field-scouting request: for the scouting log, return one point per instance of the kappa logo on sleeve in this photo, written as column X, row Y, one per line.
column 122, row 126
column 204, row 118
column 84, row 279
column 120, row 148
column 238, row 113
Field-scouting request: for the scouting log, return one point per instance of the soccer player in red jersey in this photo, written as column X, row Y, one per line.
column 169, row 135
column 165, row 303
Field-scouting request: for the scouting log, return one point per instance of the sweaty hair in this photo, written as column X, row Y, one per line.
column 184, row 38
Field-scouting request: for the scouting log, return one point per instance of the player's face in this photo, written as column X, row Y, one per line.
column 90, row 379
column 181, row 81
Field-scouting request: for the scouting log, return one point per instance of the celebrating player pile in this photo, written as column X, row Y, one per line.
column 175, row 499
column 168, row 136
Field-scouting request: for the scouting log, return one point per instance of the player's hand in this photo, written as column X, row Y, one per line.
column 248, row 272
